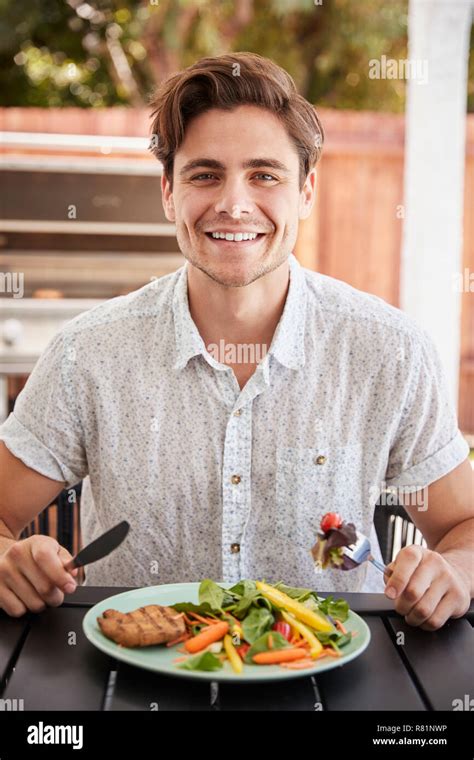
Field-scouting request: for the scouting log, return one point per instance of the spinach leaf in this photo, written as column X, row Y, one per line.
column 229, row 600
column 262, row 601
column 243, row 588
column 336, row 608
column 202, row 661
column 335, row 640
column 201, row 609
column 295, row 593
column 256, row 623
column 242, row 607
column 211, row 593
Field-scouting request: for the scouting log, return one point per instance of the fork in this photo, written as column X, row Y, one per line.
column 361, row 552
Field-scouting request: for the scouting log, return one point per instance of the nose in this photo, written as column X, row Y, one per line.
column 234, row 199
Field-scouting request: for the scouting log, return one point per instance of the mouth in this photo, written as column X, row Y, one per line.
column 235, row 244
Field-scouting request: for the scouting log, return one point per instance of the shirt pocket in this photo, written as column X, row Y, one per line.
column 313, row 481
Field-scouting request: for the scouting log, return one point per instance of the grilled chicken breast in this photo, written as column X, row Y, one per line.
column 153, row 624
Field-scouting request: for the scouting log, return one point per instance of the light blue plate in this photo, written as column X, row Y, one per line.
column 159, row 658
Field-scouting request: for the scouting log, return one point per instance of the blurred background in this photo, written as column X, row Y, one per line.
column 82, row 219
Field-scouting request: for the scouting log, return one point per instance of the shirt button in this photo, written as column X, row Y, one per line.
column 235, row 480
column 320, row 459
column 237, row 412
column 235, row 548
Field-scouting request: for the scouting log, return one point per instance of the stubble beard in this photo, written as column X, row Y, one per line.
column 231, row 280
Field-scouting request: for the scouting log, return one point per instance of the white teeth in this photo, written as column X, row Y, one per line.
column 237, row 237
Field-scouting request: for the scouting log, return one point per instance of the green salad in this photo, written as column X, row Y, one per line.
column 258, row 623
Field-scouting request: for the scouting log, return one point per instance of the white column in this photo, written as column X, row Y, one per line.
column 438, row 33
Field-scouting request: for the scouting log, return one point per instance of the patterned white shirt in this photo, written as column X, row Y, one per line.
column 223, row 483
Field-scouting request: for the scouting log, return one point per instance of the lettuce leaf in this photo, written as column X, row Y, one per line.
column 202, row 661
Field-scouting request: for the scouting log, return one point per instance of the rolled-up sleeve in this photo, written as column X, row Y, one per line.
column 44, row 430
column 428, row 443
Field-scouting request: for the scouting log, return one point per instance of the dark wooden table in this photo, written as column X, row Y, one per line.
column 46, row 663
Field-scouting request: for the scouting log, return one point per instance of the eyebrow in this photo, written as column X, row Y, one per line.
column 252, row 163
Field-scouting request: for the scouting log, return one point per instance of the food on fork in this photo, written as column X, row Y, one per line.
column 328, row 551
column 146, row 626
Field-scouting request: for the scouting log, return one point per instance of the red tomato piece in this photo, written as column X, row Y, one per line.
column 331, row 520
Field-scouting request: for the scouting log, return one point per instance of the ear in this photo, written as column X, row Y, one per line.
column 307, row 195
column 167, row 199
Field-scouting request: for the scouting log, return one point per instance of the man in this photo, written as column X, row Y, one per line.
column 225, row 408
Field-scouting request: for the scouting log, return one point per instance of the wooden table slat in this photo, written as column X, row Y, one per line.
column 144, row 690
column 52, row 674
column 451, row 648
column 12, row 631
column 376, row 680
column 87, row 596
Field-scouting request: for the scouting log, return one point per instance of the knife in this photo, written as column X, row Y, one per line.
column 100, row 547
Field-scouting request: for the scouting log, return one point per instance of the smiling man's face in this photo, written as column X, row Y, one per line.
column 237, row 172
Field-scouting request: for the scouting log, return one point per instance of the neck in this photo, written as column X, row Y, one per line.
column 248, row 314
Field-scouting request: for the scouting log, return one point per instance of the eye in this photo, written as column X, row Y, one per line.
column 210, row 176
column 200, row 176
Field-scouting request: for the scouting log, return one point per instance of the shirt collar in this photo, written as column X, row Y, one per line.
column 289, row 338
column 188, row 339
column 288, row 341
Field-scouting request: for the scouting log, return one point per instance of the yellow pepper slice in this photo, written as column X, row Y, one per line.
column 236, row 629
column 314, row 643
column 314, row 619
column 232, row 654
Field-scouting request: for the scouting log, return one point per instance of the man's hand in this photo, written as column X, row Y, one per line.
column 32, row 575
column 428, row 588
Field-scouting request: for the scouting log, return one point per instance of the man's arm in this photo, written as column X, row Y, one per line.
column 24, row 493
column 447, row 518
column 31, row 571
column 437, row 583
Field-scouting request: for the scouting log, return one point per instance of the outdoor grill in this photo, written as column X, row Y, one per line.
column 82, row 222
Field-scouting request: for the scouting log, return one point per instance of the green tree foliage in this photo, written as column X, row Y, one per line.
column 95, row 53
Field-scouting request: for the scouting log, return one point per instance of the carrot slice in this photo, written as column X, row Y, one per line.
column 206, row 636
column 298, row 665
column 275, row 656
column 331, row 652
column 202, row 619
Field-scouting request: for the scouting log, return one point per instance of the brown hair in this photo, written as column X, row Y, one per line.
column 227, row 81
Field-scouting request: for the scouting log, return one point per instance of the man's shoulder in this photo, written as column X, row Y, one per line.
column 148, row 301
column 340, row 302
